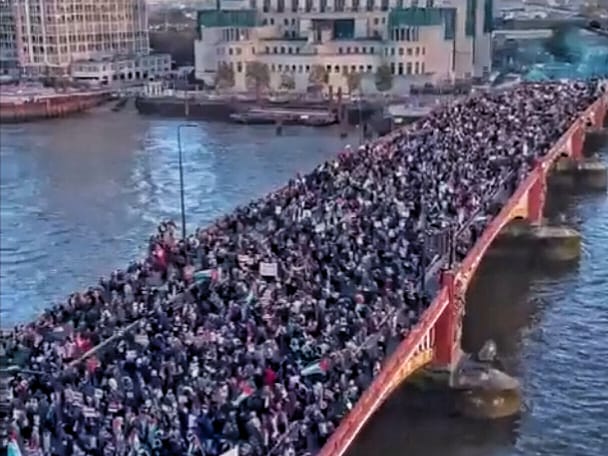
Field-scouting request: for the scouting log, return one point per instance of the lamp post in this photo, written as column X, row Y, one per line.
column 181, row 174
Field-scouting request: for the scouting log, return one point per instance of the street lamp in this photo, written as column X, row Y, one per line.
column 181, row 174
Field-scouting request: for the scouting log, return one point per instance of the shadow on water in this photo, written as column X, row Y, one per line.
column 500, row 306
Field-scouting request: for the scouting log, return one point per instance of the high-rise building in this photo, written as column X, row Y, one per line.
column 8, row 40
column 50, row 35
column 421, row 41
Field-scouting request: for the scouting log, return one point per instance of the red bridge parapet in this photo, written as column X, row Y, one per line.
column 436, row 338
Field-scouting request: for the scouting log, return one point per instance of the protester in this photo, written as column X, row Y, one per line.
column 262, row 331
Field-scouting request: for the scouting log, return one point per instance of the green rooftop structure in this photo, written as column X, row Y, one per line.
column 227, row 18
column 423, row 17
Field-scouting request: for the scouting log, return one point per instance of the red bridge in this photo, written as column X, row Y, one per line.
column 435, row 340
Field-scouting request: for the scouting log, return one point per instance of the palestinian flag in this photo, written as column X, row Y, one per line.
column 317, row 368
column 207, row 275
column 246, row 391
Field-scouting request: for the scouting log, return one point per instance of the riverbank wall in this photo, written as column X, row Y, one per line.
column 16, row 109
column 221, row 109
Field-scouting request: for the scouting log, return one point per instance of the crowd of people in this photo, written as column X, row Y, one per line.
column 258, row 334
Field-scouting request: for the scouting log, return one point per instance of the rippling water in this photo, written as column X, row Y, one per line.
column 80, row 197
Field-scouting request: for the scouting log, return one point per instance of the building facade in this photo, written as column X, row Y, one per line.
column 420, row 41
column 51, row 36
column 9, row 61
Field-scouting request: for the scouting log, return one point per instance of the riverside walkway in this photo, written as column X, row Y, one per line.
column 277, row 343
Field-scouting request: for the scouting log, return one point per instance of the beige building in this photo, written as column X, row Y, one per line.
column 420, row 41
column 53, row 35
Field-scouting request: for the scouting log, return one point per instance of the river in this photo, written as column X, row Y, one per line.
column 79, row 198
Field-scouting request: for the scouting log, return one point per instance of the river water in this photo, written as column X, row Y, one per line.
column 79, row 197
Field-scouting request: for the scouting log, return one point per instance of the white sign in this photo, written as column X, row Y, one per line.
column 232, row 452
column 268, row 269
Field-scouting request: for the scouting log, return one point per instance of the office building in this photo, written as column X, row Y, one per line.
column 298, row 40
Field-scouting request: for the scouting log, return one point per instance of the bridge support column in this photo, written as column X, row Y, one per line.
column 537, row 196
column 448, row 328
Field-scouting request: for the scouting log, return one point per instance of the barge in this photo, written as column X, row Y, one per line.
column 22, row 105
column 266, row 116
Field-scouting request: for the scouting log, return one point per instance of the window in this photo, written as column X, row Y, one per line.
column 369, row 70
column 422, row 67
column 353, row 68
column 417, row 51
column 274, row 50
column 408, row 68
column 289, row 50
column 271, row 21
column 239, row 67
column 376, row 22
column 253, row 50
column 281, row 69
column 409, row 51
column 282, row 50
column 281, row 6
column 295, row 6
column 266, row 6
column 328, row 69
column 356, row 50
column 370, row 5
column 286, row 21
column 238, row 51
column 423, row 50
column 340, row 52
column 416, row 68
column 348, row 52
column 344, row 69
column 393, row 68
column 400, row 68
column 364, row 50
column 293, row 68
column 300, row 69
column 371, row 50
column 400, row 51
column 361, row 68
column 230, row 53
column 337, row 69
column 307, row 70
column 392, row 51
column 268, row 52
column 273, row 69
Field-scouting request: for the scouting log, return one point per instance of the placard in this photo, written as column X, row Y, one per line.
column 268, row 269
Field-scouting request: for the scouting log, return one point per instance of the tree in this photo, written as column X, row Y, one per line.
column 318, row 77
column 384, row 78
column 258, row 76
column 224, row 77
column 353, row 81
column 287, row 82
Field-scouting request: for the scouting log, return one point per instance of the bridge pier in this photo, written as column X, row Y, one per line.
column 587, row 174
